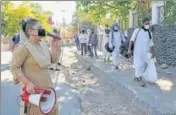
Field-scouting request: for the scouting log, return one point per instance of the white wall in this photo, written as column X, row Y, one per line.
column 156, row 4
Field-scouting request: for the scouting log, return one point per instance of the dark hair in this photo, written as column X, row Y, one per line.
column 145, row 20
column 28, row 24
column 83, row 31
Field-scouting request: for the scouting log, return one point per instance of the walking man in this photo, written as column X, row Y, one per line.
column 106, row 54
column 77, row 42
column 83, row 38
column 93, row 41
column 116, row 37
column 143, row 43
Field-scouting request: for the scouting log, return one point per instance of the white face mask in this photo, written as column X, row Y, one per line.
column 116, row 28
column 147, row 26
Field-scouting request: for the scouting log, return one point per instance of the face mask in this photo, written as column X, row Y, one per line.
column 147, row 26
column 41, row 32
column 116, row 28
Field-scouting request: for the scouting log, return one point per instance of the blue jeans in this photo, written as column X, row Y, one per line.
column 93, row 49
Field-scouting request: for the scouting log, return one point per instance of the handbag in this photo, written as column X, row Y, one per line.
column 151, row 72
column 110, row 50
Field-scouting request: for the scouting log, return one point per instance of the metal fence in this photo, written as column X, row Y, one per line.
column 135, row 20
column 160, row 16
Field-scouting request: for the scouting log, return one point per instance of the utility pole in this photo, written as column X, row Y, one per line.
column 145, row 6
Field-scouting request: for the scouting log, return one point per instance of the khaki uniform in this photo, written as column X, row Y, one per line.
column 23, row 64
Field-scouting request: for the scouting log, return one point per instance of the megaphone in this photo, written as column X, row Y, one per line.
column 45, row 99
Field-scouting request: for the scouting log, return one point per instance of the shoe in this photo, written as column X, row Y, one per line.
column 108, row 60
column 57, row 69
column 51, row 68
column 140, row 81
column 136, row 79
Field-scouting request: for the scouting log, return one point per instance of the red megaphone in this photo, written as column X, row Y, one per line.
column 25, row 96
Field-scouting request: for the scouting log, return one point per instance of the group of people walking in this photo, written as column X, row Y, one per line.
column 31, row 59
column 140, row 46
column 87, row 42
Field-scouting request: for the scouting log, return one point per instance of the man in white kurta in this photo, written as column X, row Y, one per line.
column 143, row 44
column 83, row 38
column 106, row 54
column 115, row 39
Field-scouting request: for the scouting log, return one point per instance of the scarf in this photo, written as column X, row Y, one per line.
column 40, row 53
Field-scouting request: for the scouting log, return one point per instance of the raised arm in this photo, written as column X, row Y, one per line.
column 55, row 50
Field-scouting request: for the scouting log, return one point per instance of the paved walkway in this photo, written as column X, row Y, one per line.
column 158, row 99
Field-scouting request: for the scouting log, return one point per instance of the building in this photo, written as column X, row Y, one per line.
column 157, row 14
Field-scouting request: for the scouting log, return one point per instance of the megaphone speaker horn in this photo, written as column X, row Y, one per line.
column 46, row 100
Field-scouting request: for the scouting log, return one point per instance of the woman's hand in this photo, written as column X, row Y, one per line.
column 54, row 43
column 55, row 49
column 30, row 87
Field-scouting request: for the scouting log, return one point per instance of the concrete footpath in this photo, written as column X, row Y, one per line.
column 155, row 99
column 67, row 96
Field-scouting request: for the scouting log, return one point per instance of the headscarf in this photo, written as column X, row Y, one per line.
column 43, row 59
column 23, row 37
column 115, row 24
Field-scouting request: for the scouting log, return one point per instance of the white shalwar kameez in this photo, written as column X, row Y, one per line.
column 141, row 48
column 106, row 54
column 118, row 37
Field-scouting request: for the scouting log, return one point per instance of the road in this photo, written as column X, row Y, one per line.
column 97, row 98
column 91, row 97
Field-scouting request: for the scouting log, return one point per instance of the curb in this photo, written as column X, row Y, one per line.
column 143, row 101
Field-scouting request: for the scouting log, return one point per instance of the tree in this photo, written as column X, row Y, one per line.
column 170, row 12
column 11, row 16
column 96, row 11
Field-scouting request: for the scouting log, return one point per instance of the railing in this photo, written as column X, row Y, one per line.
column 135, row 20
column 160, row 10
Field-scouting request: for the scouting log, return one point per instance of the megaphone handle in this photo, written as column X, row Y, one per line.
column 38, row 91
column 24, row 90
column 48, row 92
column 25, row 109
